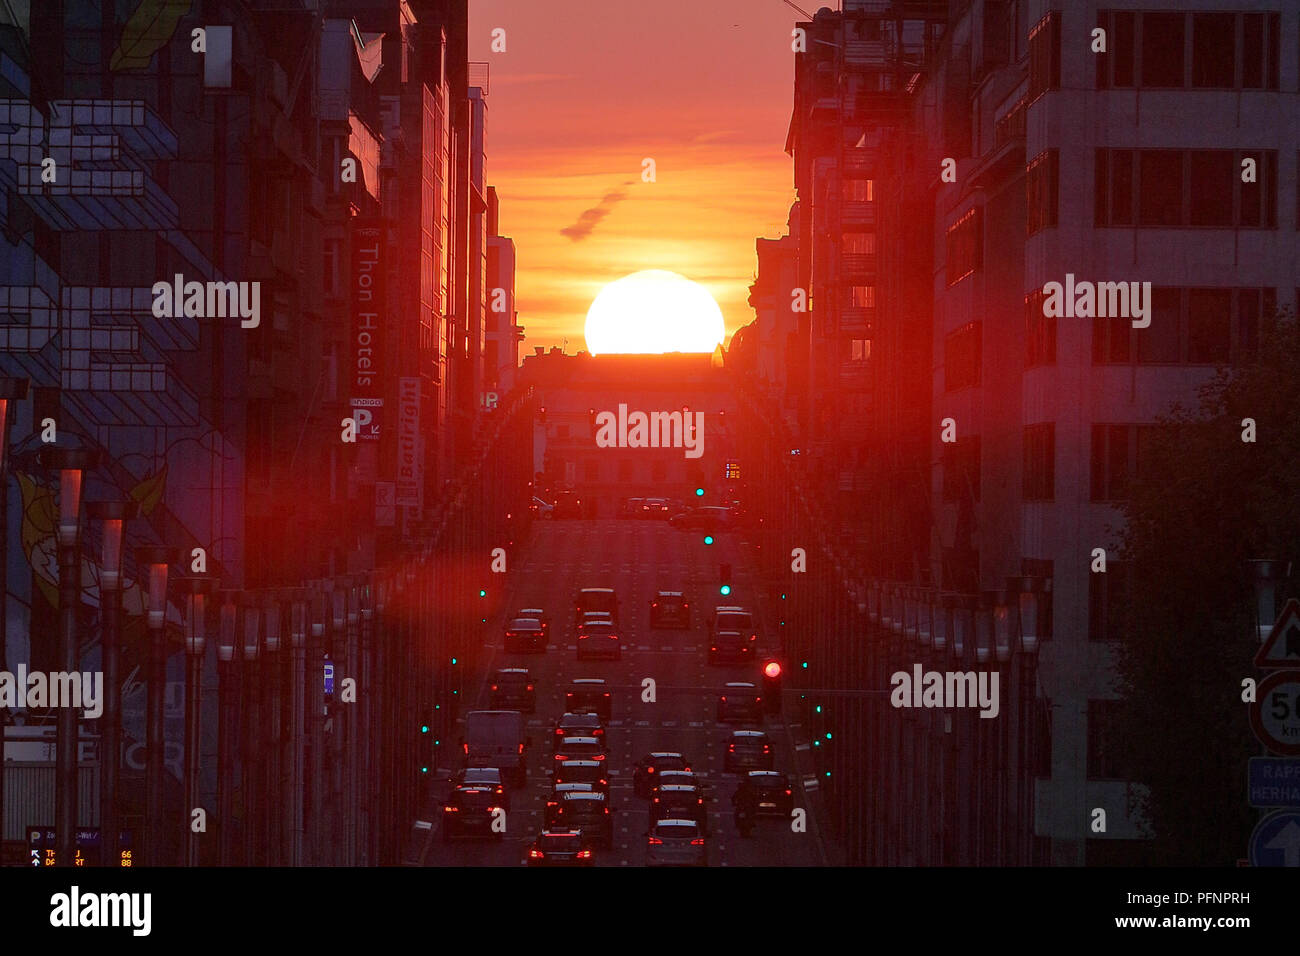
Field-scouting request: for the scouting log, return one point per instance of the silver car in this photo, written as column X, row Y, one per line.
column 676, row 843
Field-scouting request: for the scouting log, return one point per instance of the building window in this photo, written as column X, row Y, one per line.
column 1040, row 332
column 1119, row 454
column 1107, row 599
column 1041, row 177
column 1215, row 197
column 1045, row 55
column 1188, row 327
column 961, row 469
column 859, row 350
column 1040, row 462
column 962, row 358
column 860, row 243
column 862, row 296
column 965, row 246
column 1148, row 50
column 1104, row 735
column 859, row 190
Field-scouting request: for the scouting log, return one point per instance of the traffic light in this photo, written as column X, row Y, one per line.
column 699, row 492
column 708, row 539
column 425, row 750
column 724, row 579
column 772, row 687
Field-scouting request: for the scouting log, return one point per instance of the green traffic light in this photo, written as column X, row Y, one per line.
column 817, row 743
column 819, row 708
column 699, row 492
column 828, row 736
column 725, row 589
column 424, row 770
column 805, row 665
column 482, row 593
column 453, row 660
column 424, row 728
column 708, row 539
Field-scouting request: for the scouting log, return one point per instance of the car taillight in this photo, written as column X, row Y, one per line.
column 559, row 732
column 724, row 700
column 654, row 603
column 607, row 811
column 656, row 799
column 655, row 841
column 766, row 749
column 521, row 748
column 559, row 756
column 494, row 686
column 598, row 757
column 584, row 855
column 530, row 686
column 698, row 841
column 758, row 700
column 788, row 793
column 649, row 769
column 731, row 748
column 606, row 693
column 753, row 637
column 466, row 746
column 535, row 854
column 686, row 770
column 451, row 809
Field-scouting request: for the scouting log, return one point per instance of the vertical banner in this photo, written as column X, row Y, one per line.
column 365, row 379
column 408, row 442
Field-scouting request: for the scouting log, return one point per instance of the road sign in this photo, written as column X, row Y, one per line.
column 1282, row 646
column 1275, row 714
column 1273, row 782
column 329, row 679
column 1276, row 840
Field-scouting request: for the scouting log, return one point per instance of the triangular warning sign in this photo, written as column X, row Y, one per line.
column 1282, row 647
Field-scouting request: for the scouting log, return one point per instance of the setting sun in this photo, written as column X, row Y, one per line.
column 653, row 311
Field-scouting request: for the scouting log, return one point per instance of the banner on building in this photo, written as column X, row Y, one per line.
column 408, row 442
column 365, row 373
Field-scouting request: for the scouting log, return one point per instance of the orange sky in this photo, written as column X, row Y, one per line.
column 587, row 89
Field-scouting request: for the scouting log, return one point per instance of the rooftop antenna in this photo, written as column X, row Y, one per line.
column 806, row 14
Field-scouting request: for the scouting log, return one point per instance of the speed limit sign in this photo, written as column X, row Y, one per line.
column 1275, row 714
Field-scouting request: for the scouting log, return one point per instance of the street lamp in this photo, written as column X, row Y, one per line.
column 154, row 560
column 198, row 588
column 1264, row 576
column 71, row 464
column 113, row 515
column 249, row 772
column 11, row 390
column 227, row 638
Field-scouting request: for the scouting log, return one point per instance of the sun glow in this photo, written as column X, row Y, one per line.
column 653, row 311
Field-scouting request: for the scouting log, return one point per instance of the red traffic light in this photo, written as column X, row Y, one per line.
column 772, row 669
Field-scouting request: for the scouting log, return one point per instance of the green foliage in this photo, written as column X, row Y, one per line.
column 1203, row 504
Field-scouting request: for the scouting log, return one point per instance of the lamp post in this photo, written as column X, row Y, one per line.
column 155, row 560
column 113, row 515
column 1264, row 574
column 199, row 587
column 270, row 763
column 71, row 464
column 1030, row 593
column 227, row 638
column 11, row 390
column 250, row 769
column 298, row 626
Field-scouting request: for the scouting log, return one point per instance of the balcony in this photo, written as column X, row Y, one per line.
column 854, row 264
column 865, row 53
column 1009, row 120
column 858, row 214
column 857, row 320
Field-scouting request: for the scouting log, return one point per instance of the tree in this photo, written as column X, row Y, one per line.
column 1203, row 503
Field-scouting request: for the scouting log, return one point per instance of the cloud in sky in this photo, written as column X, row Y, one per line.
column 586, row 222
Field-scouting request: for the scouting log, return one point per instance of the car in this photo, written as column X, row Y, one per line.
column 632, row 508
column 489, row 777
column 589, row 812
column 525, row 634
column 677, row 802
column 577, row 725
column 684, row 777
column 748, row 750
column 589, row 694
column 599, row 640
column 731, row 617
column 551, row 810
column 581, row 748
column 594, row 617
column 670, row 609
column 512, row 688
column 740, row 701
column 470, row 810
column 655, row 508
column 537, row 614
column 676, row 843
column 708, row 518
column 643, row 775
column 595, row 599
column 589, row 772
column 560, row 848
column 771, row 791
column 541, row 508
column 567, row 505
column 731, row 646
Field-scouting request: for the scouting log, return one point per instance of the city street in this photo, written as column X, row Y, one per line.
column 636, row 558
